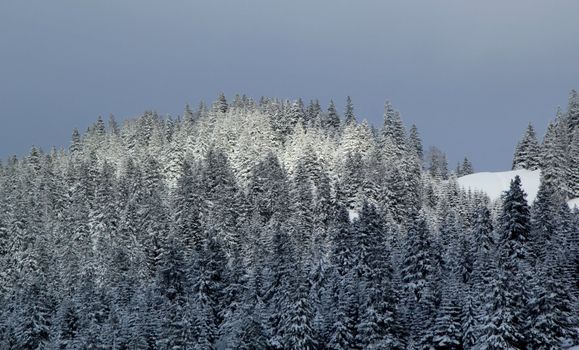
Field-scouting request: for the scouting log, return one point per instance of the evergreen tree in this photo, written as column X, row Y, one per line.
column 220, row 196
column 417, row 270
column 448, row 326
column 331, row 121
column 527, row 151
column 469, row 321
column 298, row 331
column 484, row 242
column 573, row 158
column 393, row 135
column 75, row 145
column 302, row 221
column 176, row 331
column 281, row 282
column 313, row 111
column 378, row 324
column 32, row 318
column 268, row 188
column 352, row 180
column 499, row 324
column 295, row 114
column 515, row 221
column 172, row 270
column 186, row 222
column 153, row 214
column 341, row 339
column 437, row 164
column 550, row 312
column 342, row 256
column 349, row 117
column 114, row 126
column 573, row 112
column 514, row 256
column 466, row 168
column 210, row 270
column 415, row 142
column 221, row 103
column 543, row 221
column 553, row 161
column 68, row 326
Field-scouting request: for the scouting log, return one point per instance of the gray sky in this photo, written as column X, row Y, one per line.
column 470, row 74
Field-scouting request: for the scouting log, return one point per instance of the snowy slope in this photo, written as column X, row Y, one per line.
column 494, row 184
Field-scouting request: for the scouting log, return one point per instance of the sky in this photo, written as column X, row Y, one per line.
column 470, row 74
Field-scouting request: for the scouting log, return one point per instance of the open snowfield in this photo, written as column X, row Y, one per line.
column 495, row 183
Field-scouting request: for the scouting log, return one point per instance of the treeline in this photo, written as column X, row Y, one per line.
column 558, row 155
column 274, row 225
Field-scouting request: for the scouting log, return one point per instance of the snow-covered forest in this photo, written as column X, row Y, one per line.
column 278, row 224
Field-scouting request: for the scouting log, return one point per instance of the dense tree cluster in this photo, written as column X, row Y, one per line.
column 275, row 225
column 558, row 156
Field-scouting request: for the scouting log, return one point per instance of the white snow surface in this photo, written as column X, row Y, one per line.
column 495, row 183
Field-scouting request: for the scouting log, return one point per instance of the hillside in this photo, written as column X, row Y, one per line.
column 278, row 225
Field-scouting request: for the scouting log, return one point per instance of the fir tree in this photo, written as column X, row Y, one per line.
column 418, row 265
column 268, row 188
column 114, row 126
column 553, row 161
column 573, row 158
column 393, row 135
column 331, row 121
column 349, row 117
column 313, row 112
column 295, row 114
column 221, row 103
column 415, row 142
column 466, row 167
column 298, row 331
column 514, row 255
column 448, row 326
column 469, row 321
column 573, row 112
column 75, row 145
column 515, row 221
column 437, row 164
column 281, row 282
column 31, row 330
column 210, row 269
column 527, row 151
column 352, row 180
column 186, row 222
column 499, row 324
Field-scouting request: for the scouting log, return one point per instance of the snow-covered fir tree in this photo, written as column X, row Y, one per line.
column 527, row 151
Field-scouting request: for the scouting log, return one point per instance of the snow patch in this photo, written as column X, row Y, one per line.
column 353, row 214
column 495, row 183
